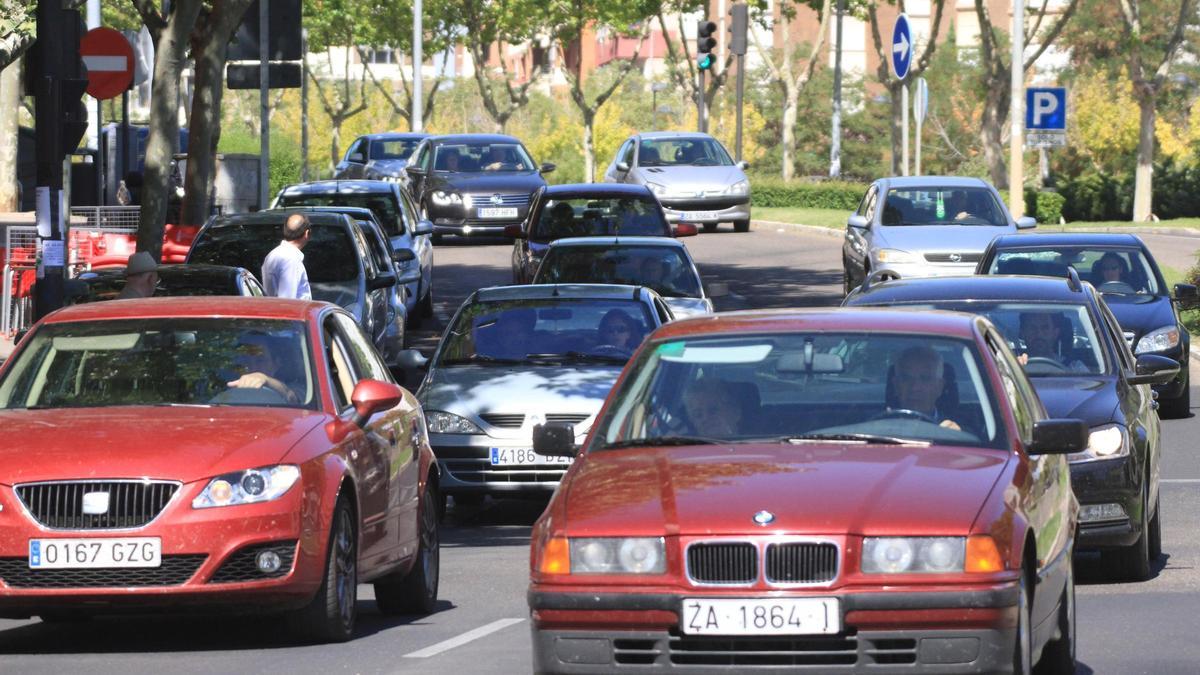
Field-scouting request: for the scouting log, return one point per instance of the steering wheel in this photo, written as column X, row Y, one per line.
column 247, row 396
column 1115, row 287
column 610, row 350
column 1045, row 361
column 904, row 413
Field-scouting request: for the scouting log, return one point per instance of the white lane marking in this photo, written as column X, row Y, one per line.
column 106, row 64
column 1179, row 480
column 463, row 639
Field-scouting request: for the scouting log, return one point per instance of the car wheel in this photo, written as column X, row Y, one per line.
column 468, row 499
column 741, row 225
column 1058, row 656
column 331, row 614
column 1178, row 407
column 417, row 591
column 1131, row 563
column 425, row 305
column 846, row 282
column 710, row 227
column 1156, row 530
column 1023, row 642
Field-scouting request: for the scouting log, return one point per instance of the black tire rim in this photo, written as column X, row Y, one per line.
column 345, row 568
column 430, row 551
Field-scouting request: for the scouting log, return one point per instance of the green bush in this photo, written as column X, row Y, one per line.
column 1049, row 207
column 1093, row 196
column 773, row 192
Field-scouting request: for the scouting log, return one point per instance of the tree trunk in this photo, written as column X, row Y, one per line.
column 10, row 108
column 335, row 139
column 995, row 114
column 589, row 146
column 1143, row 192
column 791, row 105
column 169, row 50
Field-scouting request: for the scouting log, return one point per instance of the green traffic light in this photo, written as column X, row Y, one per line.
column 706, row 62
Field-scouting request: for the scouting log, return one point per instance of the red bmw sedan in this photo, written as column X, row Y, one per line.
column 874, row 491
column 197, row 453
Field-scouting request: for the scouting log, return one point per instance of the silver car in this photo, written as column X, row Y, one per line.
column 692, row 175
column 923, row 226
column 514, row 357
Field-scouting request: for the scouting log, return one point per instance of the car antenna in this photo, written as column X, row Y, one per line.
column 1073, row 281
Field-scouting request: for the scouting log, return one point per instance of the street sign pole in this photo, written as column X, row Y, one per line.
column 901, row 61
column 48, row 142
column 264, row 88
column 1016, row 159
column 418, row 123
column 920, row 106
column 835, row 134
column 304, row 106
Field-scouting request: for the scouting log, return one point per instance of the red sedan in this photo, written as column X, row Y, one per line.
column 837, row 490
column 198, row 453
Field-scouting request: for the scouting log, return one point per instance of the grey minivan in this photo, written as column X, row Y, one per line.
column 923, row 226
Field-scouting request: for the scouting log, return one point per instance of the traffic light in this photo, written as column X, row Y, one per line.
column 705, row 43
column 72, row 83
column 740, row 20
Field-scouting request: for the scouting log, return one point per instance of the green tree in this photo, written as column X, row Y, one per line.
column 489, row 25
column 17, row 28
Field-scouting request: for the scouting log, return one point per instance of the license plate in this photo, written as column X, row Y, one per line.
column 766, row 616
column 497, row 213
column 86, row 553
column 519, row 456
column 692, row 216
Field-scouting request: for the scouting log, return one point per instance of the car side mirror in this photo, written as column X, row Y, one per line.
column 412, row 359
column 373, row 396
column 1154, row 369
column 1058, row 437
column 623, row 167
column 423, row 227
column 357, row 158
column 858, row 222
column 414, row 170
column 1026, row 223
column 743, row 165
column 555, row 440
column 381, row 281
column 403, row 255
column 684, row 230
column 547, row 167
column 1187, row 296
column 514, row 232
column 717, row 289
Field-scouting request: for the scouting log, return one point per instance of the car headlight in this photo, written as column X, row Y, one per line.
column 909, row 555
column 1159, row 340
column 449, row 423
column 1105, row 442
column 739, row 188
column 442, row 198
column 616, row 555
column 248, row 487
column 891, row 255
column 658, row 190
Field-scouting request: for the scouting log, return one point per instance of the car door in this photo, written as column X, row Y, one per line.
column 855, row 248
column 375, row 301
column 422, row 157
column 353, row 163
column 612, row 174
column 394, row 438
column 522, row 258
column 422, row 244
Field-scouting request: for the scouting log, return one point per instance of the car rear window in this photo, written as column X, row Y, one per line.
column 382, row 204
column 587, row 217
column 663, row 268
column 329, row 256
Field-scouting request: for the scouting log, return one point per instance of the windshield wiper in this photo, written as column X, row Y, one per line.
column 663, row 441
column 559, row 357
column 877, row 439
column 484, row 359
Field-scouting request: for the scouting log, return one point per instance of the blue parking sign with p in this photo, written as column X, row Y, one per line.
column 1046, row 109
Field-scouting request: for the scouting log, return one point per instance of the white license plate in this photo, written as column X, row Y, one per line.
column 519, row 456
column 497, row 213
column 696, row 216
column 86, row 553
column 765, row 616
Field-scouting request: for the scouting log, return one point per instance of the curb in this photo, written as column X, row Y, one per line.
column 1191, row 232
column 814, row 229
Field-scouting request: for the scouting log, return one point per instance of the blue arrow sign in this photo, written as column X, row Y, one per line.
column 902, row 47
column 1046, row 108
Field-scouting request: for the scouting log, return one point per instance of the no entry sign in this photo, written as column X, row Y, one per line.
column 109, row 60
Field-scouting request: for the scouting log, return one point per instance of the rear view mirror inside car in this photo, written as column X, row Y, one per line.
column 810, row 363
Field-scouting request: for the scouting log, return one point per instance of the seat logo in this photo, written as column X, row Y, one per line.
column 764, row 518
column 95, row 503
column 497, row 200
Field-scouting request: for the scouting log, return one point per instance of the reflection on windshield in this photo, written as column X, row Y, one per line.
column 549, row 331
column 942, row 206
column 587, row 217
column 163, row 362
column 682, row 152
column 664, row 269
column 1113, row 271
column 798, row 389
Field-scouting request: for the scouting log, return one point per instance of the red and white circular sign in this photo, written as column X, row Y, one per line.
column 109, row 60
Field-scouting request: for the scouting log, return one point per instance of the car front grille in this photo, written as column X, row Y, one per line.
column 953, row 257
column 723, row 563
column 844, row 652
column 243, row 566
column 503, row 420
column 483, row 472
column 174, row 571
column 566, row 418
column 801, row 563
column 484, row 200
column 130, row 504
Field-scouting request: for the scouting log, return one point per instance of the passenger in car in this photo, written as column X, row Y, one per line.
column 920, row 381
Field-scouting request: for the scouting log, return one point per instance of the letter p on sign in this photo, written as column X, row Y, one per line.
column 1046, row 109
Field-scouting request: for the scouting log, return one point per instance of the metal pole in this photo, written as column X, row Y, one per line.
column 123, row 152
column 741, row 89
column 304, row 106
column 418, row 111
column 264, row 88
column 95, row 110
column 47, row 55
column 835, row 148
column 701, row 123
column 1016, row 159
column 904, row 132
column 919, row 103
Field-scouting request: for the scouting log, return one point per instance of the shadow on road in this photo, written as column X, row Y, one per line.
column 1090, row 571
column 505, row 522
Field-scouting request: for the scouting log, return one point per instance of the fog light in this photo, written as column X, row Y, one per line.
column 1094, row 513
column 268, row 562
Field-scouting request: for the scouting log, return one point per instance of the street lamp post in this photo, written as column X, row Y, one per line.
column 654, row 89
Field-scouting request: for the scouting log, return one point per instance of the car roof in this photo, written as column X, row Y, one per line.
column 484, row 138
column 562, row 291
column 665, row 242
column 840, row 320
column 165, row 272
column 922, row 181
column 979, row 287
column 356, row 211
column 597, row 190
column 1009, row 241
column 655, row 135
column 325, row 187
column 189, row 307
column 277, row 217
column 395, row 136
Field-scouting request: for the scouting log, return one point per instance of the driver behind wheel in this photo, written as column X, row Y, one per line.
column 920, row 380
column 1042, row 335
column 260, row 370
column 619, row 332
column 1110, row 268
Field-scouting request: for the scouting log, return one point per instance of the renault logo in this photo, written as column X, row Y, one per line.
column 764, row 517
column 497, row 200
column 95, row 503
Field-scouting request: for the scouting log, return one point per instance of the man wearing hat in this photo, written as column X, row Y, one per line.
column 141, row 276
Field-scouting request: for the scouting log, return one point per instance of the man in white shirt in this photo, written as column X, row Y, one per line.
column 283, row 272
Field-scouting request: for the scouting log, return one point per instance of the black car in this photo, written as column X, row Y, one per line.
column 473, row 184
column 107, row 284
column 1123, row 270
column 1071, row 347
column 586, row 210
column 378, row 156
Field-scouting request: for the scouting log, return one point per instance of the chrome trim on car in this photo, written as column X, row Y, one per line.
column 761, row 546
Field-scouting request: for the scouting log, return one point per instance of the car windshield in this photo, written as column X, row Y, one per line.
column 935, row 205
column 805, row 388
column 1051, row 339
column 682, row 152
column 163, row 362
column 382, row 204
column 329, row 256
column 546, row 331
column 398, row 148
column 663, row 268
column 586, row 217
column 1113, row 271
column 481, row 157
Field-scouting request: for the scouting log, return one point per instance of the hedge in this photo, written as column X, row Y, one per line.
column 1045, row 207
column 806, row 194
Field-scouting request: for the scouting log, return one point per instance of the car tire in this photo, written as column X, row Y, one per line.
column 710, row 227
column 417, row 591
column 331, row 614
column 425, row 305
column 1156, row 531
column 468, row 499
column 1023, row 642
column 1178, row 407
column 846, row 282
column 741, row 225
column 1058, row 656
column 1131, row 563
